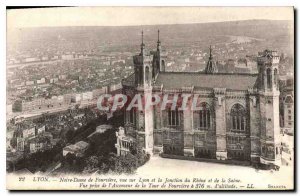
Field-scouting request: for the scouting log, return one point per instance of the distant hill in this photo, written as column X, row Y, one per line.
column 269, row 30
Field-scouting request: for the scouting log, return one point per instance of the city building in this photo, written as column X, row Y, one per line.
column 42, row 104
column 39, row 144
column 238, row 117
column 77, row 149
column 29, row 133
column 287, row 104
column 20, row 144
column 101, row 129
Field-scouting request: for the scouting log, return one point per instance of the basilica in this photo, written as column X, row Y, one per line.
column 238, row 117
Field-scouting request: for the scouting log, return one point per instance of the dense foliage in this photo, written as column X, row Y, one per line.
column 100, row 157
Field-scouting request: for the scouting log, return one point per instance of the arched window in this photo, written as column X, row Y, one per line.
column 174, row 117
column 269, row 78
column 131, row 116
column 147, row 74
column 262, row 77
column 275, row 77
column 163, row 65
column 238, row 118
column 203, row 117
column 138, row 75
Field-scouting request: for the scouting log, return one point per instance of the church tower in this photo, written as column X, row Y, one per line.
column 268, row 62
column 211, row 66
column 159, row 58
column 142, row 66
column 143, row 63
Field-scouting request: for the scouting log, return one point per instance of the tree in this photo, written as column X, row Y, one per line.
column 13, row 142
column 112, row 161
column 138, row 151
column 69, row 135
column 79, row 164
column 58, row 157
column 126, row 164
column 142, row 157
column 92, row 164
column 70, row 157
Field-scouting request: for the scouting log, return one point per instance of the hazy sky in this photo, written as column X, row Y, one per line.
column 124, row 16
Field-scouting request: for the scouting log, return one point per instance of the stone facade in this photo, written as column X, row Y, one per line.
column 239, row 119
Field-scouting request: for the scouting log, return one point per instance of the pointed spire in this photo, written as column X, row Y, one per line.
column 142, row 37
column 158, row 41
column 211, row 66
column 142, row 44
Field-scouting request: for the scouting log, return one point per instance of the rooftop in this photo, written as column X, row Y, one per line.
column 171, row 80
column 77, row 147
column 129, row 81
column 101, row 129
column 104, row 126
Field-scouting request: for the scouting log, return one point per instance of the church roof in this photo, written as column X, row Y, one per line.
column 171, row 80
column 129, row 81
